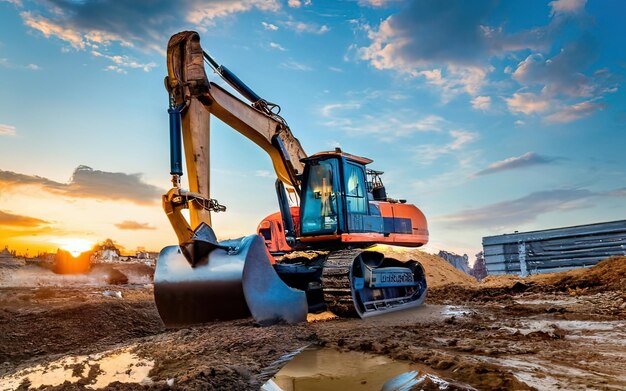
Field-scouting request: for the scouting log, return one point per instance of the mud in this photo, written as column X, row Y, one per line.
column 566, row 332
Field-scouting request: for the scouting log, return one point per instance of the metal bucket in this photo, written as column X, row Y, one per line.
column 229, row 284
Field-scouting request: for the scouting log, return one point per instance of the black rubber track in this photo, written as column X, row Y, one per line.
column 336, row 282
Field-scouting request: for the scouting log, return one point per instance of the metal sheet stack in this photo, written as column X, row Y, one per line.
column 554, row 250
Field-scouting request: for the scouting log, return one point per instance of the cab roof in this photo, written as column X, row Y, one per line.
column 338, row 153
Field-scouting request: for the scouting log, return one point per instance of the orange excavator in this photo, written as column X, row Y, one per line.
column 310, row 256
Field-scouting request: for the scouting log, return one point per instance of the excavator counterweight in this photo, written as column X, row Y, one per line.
column 343, row 209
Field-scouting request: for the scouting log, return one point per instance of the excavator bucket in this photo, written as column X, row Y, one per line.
column 235, row 279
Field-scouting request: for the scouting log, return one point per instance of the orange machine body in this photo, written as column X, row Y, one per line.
column 272, row 230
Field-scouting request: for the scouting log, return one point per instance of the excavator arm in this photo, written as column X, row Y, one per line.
column 195, row 98
column 202, row 278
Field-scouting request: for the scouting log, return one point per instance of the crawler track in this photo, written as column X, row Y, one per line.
column 336, row 282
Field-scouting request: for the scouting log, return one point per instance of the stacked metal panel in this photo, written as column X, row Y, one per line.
column 554, row 250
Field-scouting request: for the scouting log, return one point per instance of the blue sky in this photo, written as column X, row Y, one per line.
column 491, row 116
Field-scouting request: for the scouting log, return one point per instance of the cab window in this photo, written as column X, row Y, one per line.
column 356, row 193
column 320, row 199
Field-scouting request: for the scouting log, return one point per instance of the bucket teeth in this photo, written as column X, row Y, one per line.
column 203, row 241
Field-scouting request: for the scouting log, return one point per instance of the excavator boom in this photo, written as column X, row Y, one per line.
column 203, row 279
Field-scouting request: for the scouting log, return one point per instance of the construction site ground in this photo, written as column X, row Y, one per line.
column 561, row 331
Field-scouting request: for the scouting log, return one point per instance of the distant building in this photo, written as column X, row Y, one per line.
column 460, row 262
column 108, row 255
column 146, row 255
column 6, row 253
column 106, row 251
column 8, row 259
column 479, row 269
column 554, row 250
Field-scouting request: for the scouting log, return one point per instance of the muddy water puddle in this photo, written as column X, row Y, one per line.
column 455, row 310
column 94, row 371
column 328, row 369
column 555, row 302
column 613, row 331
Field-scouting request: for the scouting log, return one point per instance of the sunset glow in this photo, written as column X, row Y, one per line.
column 75, row 246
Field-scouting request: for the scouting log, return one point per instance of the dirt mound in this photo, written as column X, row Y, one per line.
column 438, row 271
column 116, row 277
column 35, row 274
column 500, row 281
column 609, row 274
column 607, row 280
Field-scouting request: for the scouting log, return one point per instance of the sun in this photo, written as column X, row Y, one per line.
column 75, row 246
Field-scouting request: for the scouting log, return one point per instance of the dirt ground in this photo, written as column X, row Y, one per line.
column 563, row 331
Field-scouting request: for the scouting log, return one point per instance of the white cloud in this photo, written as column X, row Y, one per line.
column 454, row 80
column 115, row 68
column 451, row 44
column 298, row 3
column 512, row 213
column 124, row 62
column 269, row 26
column 7, row 64
column 527, row 103
column 359, row 117
column 277, row 46
column 17, row 3
column 460, row 139
column 105, row 38
column 81, row 40
column 141, row 24
column 262, row 173
column 302, row 27
column 481, row 102
column 77, row 38
column 428, row 153
column 567, row 6
column 89, row 183
column 296, row 66
column 376, row 3
column 49, row 28
column 428, row 123
column 526, row 160
column 457, row 33
column 330, row 109
column 203, row 14
column 561, row 76
column 7, row 130
column 575, row 112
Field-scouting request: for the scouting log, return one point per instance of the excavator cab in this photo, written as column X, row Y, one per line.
column 321, row 201
column 335, row 197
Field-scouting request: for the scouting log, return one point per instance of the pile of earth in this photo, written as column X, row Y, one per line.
column 607, row 280
column 439, row 272
column 37, row 274
column 609, row 274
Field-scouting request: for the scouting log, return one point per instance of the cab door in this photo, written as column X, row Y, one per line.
column 320, row 211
